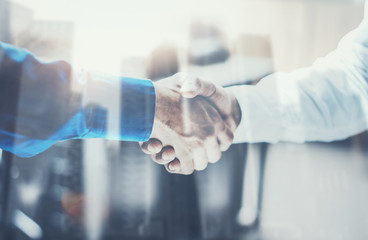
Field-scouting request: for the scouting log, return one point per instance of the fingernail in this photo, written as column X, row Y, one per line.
column 172, row 168
column 153, row 149
column 167, row 157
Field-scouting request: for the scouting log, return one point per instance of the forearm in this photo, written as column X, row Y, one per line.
column 42, row 103
column 324, row 102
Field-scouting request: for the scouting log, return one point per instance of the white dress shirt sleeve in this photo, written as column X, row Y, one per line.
column 325, row 102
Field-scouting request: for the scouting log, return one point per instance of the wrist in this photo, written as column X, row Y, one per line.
column 235, row 111
column 167, row 107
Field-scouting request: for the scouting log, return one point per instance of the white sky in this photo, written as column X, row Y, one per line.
column 106, row 31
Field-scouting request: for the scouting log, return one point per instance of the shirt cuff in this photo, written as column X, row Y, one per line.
column 259, row 114
column 118, row 108
column 138, row 104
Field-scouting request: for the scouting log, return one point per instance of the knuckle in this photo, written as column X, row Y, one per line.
column 221, row 126
column 188, row 172
column 208, row 130
column 202, row 166
column 187, row 169
column 224, row 144
column 181, row 75
column 197, row 142
column 231, row 136
column 215, row 158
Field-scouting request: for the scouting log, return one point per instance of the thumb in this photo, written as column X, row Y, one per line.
column 192, row 87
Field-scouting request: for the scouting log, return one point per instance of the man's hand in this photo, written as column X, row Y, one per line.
column 194, row 122
column 191, row 126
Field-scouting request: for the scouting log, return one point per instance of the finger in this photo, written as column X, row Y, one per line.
column 200, row 159
column 192, row 87
column 165, row 156
column 223, row 133
column 175, row 81
column 173, row 166
column 168, row 153
column 212, row 147
column 186, row 165
column 222, row 101
column 152, row 146
column 225, row 138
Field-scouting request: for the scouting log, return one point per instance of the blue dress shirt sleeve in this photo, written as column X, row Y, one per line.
column 43, row 103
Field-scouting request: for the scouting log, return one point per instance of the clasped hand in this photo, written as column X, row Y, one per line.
column 194, row 122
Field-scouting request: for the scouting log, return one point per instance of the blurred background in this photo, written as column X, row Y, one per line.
column 98, row 189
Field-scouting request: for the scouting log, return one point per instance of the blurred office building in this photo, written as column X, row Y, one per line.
column 4, row 19
column 106, row 190
column 48, row 39
column 34, row 188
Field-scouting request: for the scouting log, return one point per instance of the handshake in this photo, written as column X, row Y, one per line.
column 194, row 122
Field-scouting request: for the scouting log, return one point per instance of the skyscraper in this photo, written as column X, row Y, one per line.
column 4, row 21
